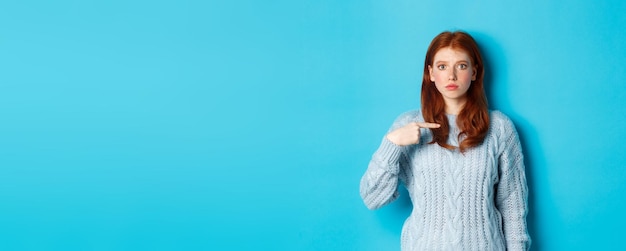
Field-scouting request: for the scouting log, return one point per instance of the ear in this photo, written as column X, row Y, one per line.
column 474, row 73
column 430, row 73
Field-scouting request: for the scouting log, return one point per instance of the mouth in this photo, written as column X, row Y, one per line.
column 451, row 87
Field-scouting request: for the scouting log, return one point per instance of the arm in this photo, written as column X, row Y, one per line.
column 512, row 191
column 379, row 184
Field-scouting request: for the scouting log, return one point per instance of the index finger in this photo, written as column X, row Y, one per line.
column 427, row 125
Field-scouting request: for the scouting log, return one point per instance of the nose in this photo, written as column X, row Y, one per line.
column 452, row 75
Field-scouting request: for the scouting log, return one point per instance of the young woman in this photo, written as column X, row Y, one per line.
column 461, row 163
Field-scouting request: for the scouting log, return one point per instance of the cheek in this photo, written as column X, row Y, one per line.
column 466, row 75
column 439, row 77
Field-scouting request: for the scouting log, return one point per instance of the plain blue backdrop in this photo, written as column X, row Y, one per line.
column 246, row 125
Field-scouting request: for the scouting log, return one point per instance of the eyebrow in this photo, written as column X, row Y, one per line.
column 460, row 61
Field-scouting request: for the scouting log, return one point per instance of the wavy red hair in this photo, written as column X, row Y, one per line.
column 473, row 120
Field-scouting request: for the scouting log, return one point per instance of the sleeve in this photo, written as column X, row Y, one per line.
column 379, row 184
column 512, row 191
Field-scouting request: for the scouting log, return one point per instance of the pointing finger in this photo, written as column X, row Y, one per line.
column 427, row 125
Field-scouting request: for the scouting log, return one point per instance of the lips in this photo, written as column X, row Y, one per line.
column 452, row 87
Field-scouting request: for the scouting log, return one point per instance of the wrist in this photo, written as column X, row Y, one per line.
column 393, row 139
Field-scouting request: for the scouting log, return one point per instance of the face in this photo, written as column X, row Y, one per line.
column 453, row 73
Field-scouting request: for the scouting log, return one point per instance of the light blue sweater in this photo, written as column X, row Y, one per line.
column 471, row 201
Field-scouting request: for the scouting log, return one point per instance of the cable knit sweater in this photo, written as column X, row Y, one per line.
column 471, row 201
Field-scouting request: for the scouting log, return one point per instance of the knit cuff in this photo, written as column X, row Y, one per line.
column 389, row 153
column 521, row 246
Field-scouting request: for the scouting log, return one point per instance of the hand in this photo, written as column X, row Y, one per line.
column 409, row 134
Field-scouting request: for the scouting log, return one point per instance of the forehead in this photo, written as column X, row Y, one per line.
column 451, row 55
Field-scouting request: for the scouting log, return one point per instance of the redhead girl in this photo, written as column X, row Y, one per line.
column 461, row 163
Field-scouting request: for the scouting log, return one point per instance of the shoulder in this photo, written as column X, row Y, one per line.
column 499, row 117
column 408, row 117
column 501, row 123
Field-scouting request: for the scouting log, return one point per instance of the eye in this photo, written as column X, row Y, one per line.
column 462, row 66
column 441, row 67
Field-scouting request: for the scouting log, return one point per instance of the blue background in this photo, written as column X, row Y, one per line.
column 246, row 125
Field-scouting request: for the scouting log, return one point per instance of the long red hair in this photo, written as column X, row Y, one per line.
column 473, row 120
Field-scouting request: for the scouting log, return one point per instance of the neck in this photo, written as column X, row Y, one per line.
column 455, row 106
